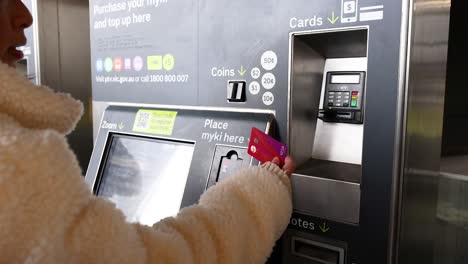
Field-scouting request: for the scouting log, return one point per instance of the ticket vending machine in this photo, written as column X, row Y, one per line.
column 183, row 82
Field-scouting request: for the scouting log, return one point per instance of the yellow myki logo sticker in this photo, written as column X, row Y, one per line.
column 154, row 63
column 155, row 121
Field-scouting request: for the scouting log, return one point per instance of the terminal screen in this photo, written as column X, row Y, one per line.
column 144, row 177
column 346, row 78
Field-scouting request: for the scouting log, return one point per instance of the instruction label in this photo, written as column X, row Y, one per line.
column 155, row 122
column 305, row 22
column 322, row 227
column 216, row 131
column 124, row 13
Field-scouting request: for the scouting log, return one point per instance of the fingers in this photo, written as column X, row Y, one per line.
column 276, row 161
column 289, row 165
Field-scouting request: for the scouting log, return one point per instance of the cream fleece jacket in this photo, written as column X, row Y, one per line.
column 49, row 215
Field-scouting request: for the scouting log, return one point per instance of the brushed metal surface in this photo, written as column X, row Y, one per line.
column 428, row 45
column 326, row 198
column 306, row 83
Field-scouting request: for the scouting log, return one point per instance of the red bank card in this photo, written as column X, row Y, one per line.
column 264, row 148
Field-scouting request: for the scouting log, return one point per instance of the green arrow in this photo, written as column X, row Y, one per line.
column 121, row 125
column 333, row 19
column 324, row 227
column 242, row 71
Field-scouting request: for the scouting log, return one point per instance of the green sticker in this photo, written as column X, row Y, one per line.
column 154, row 63
column 108, row 64
column 155, row 122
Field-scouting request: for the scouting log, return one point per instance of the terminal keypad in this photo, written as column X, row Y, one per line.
column 338, row 99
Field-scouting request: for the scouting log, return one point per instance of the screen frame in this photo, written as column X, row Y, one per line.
column 110, row 138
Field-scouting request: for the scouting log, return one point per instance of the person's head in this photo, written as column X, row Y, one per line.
column 14, row 18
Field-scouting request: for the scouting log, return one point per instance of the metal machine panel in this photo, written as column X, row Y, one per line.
column 421, row 182
column 331, row 199
column 184, row 53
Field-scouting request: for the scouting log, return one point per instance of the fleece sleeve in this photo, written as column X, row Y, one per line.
column 48, row 214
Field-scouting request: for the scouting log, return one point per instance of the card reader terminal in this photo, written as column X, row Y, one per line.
column 344, row 97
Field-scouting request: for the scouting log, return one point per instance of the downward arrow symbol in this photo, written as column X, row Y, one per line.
column 242, row 71
column 324, row 227
column 333, row 19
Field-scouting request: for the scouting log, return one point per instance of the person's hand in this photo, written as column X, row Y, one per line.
column 289, row 165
